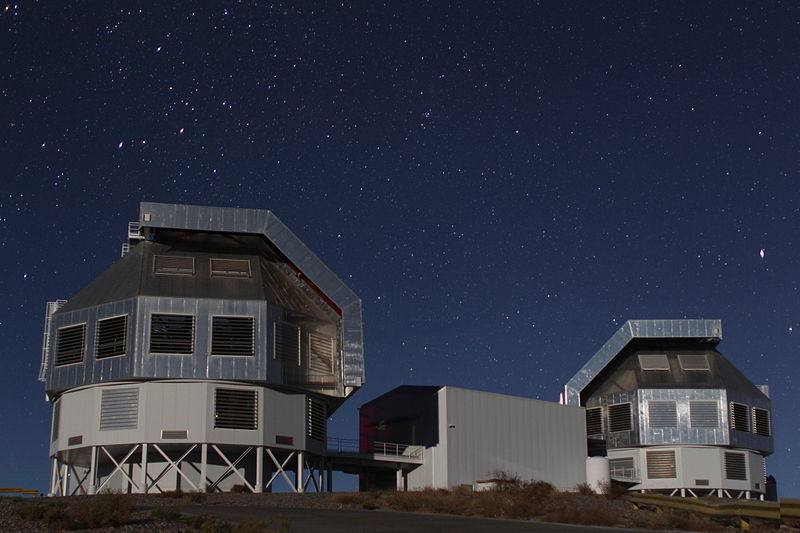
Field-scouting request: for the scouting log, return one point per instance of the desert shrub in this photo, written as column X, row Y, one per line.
column 585, row 512
column 209, row 524
column 239, row 488
column 613, row 490
column 31, row 512
column 198, row 497
column 176, row 494
column 102, row 510
column 348, row 498
column 584, row 489
column 166, row 512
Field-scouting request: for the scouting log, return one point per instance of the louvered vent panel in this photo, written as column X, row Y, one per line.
column 170, row 434
column 230, row 268
column 653, row 361
column 171, row 334
column 235, row 409
column 75, row 441
column 56, row 420
column 232, row 335
column 112, row 337
column 619, row 417
column 740, row 417
column 693, row 361
column 287, row 342
column 70, row 345
column 594, row 421
column 735, row 467
column 316, row 419
column 662, row 414
column 168, row 264
column 661, row 465
column 761, row 422
column 321, row 349
column 704, row 414
column 119, row 408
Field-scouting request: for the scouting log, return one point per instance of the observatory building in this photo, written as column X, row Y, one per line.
column 211, row 354
column 671, row 414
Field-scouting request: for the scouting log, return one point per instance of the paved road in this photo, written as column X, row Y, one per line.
column 357, row 521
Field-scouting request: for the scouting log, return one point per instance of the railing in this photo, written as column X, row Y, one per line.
column 389, row 449
column 625, row 474
column 135, row 230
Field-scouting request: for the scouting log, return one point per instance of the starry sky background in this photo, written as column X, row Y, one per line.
column 503, row 183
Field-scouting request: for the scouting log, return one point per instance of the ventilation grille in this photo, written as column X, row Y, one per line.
column 661, row 465
column 739, row 417
column 171, row 334
column 230, row 268
column 75, row 441
column 621, row 468
column 693, row 361
column 735, row 467
column 619, row 417
column 761, row 422
column 56, row 420
column 235, row 409
column 167, row 264
column 287, row 342
column 653, row 361
column 174, row 434
column 594, row 421
column 70, row 345
column 662, row 414
column 112, row 337
column 701, row 482
column 704, row 414
column 321, row 349
column 119, row 408
column 232, row 335
column 316, row 419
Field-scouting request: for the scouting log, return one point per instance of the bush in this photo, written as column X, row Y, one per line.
column 31, row 512
column 102, row 510
column 198, row 497
column 584, row 489
column 167, row 512
column 239, row 488
column 613, row 490
column 176, row 494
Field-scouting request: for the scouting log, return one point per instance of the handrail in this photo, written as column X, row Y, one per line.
column 390, row 449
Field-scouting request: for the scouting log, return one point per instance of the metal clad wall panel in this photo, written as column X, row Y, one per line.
column 530, row 438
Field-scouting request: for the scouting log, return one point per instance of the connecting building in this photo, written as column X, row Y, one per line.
column 211, row 354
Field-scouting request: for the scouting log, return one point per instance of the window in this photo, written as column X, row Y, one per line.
column 70, row 345
column 119, row 408
column 112, row 337
column 761, row 422
column 661, row 465
column 56, row 420
column 653, row 361
column 232, row 335
column 170, row 264
column 235, row 409
column 172, row 334
column 316, row 419
column 230, row 268
column 662, row 414
column 739, row 417
column 619, row 417
column 693, row 361
column 287, row 342
column 735, row 467
column 703, row 414
column 320, row 353
column 594, row 421
column 621, row 468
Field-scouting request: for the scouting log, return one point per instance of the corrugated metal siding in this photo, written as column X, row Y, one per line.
column 485, row 433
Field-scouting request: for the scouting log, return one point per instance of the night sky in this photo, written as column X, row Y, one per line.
column 502, row 183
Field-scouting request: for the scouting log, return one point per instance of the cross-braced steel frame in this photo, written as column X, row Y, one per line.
column 143, row 468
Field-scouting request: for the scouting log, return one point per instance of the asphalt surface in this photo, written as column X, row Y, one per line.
column 357, row 521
